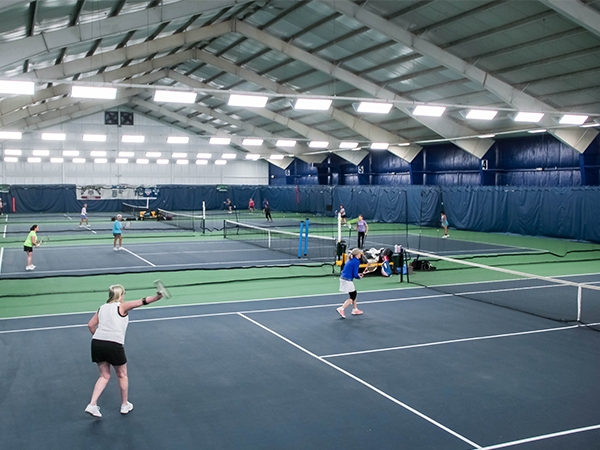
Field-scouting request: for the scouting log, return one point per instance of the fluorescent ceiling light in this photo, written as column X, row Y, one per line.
column 314, row 104
column 103, row 93
column 174, row 97
column 162, row 161
column 572, row 119
column 403, row 144
column 219, row 141
column 276, row 157
column 178, row 140
column 252, row 156
column 591, row 124
column 153, row 154
column 318, row 144
column 53, row 136
column 70, row 153
column 133, row 139
column 182, row 162
column 57, row 160
column 228, row 156
column 94, row 137
column 142, row 161
column 486, row 136
column 17, row 87
column 100, row 161
column 540, row 130
column 285, row 143
column 431, row 111
column 33, row 159
column 126, row 154
column 121, row 160
column 203, row 155
column 13, row 152
column 252, row 142
column 11, row 135
column 379, row 145
column 248, row 101
column 41, row 153
column 348, row 144
column 481, row 114
column 528, row 117
column 100, row 153
column 201, row 162
column 11, row 159
column 78, row 160
column 220, row 162
column 179, row 155
column 375, row 108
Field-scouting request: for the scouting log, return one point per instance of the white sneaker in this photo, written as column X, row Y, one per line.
column 126, row 408
column 445, row 236
column 80, row 226
column 115, row 249
column 120, row 248
column 94, row 410
column 28, row 268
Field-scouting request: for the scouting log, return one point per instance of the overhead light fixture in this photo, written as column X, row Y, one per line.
column 162, row 161
column 13, row 152
column 70, row 153
column 153, row 154
column 313, row 104
column 403, row 144
column 179, row 155
column 486, row 136
column 379, row 146
column 103, row 93
column 17, row 87
column 572, row 119
column 11, row 159
column 11, row 135
column 142, row 161
column 252, row 156
column 174, row 97
column 182, row 162
column 528, row 117
column 219, row 141
column 248, row 101
column 252, row 142
column 286, row 143
column 540, row 130
column 41, row 153
column 318, row 144
column 276, row 157
column 202, row 162
column 203, row 155
column 53, row 136
column 373, row 108
column 57, row 160
column 94, row 137
column 126, row 154
column 481, row 114
column 348, row 144
column 429, row 111
column 178, row 140
column 121, row 160
column 33, row 159
column 220, row 162
column 228, row 156
column 98, row 153
column 78, row 160
column 591, row 124
column 100, row 160
column 131, row 139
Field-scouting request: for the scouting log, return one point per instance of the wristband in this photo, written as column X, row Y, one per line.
column 144, row 302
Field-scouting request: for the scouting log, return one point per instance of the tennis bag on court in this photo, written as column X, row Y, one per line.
column 423, row 265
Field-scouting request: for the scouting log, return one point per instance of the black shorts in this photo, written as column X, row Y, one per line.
column 117, row 235
column 107, row 351
column 27, row 249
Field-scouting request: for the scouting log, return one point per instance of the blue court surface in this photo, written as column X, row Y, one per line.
column 418, row 370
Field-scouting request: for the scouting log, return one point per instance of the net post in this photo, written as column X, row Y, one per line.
column 203, row 210
column 306, row 223
column 339, row 227
column 579, row 301
column 402, row 266
column 300, row 236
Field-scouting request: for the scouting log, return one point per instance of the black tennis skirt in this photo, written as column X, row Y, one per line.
column 108, row 351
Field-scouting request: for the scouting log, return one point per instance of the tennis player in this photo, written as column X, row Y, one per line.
column 28, row 245
column 108, row 327
column 267, row 210
column 444, row 222
column 1, row 205
column 343, row 215
column 84, row 216
column 347, row 277
column 251, row 206
column 118, row 233
column 362, row 227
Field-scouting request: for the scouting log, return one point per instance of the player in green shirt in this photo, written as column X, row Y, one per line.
column 28, row 245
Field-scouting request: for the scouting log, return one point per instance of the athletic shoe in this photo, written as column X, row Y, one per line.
column 28, row 268
column 445, row 236
column 341, row 312
column 126, row 408
column 120, row 248
column 94, row 410
column 115, row 249
column 356, row 312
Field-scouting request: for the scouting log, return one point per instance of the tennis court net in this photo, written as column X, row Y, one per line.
column 315, row 248
column 133, row 210
column 566, row 299
column 184, row 221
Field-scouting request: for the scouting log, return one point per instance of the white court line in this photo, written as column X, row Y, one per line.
column 138, row 256
column 87, row 227
column 1, row 257
column 364, row 383
column 541, row 437
column 4, row 233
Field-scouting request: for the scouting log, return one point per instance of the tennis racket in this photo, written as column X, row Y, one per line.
column 127, row 224
column 160, row 287
column 41, row 240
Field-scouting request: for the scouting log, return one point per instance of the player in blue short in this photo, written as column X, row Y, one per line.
column 117, row 233
column 350, row 273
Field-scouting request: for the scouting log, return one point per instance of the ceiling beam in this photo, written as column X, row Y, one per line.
column 577, row 12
